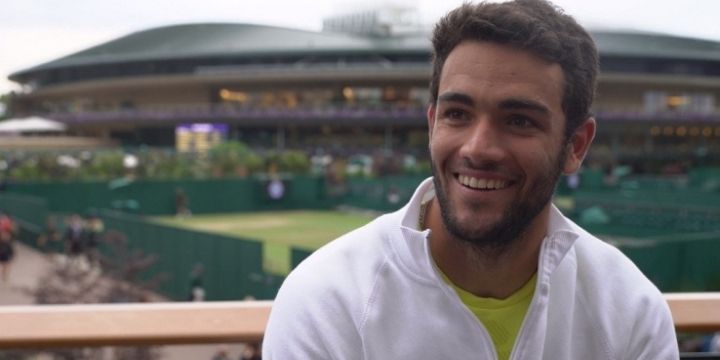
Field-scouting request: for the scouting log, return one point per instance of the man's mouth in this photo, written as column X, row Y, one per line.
column 482, row 184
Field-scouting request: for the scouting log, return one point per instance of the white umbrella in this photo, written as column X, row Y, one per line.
column 31, row 124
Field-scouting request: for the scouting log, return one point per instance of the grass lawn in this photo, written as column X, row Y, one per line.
column 278, row 230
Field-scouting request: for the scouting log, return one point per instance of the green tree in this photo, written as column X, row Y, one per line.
column 233, row 158
column 4, row 101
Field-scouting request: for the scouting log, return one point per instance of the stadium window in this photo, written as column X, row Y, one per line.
column 694, row 131
column 703, row 103
column 681, row 131
column 390, row 94
column 348, row 93
column 655, row 131
column 707, row 132
column 676, row 102
column 237, row 96
column 267, row 99
column 419, row 95
column 654, row 101
column 289, row 99
column 668, row 131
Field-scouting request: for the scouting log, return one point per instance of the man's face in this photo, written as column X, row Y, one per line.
column 496, row 141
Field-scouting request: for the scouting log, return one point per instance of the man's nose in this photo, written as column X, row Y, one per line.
column 483, row 142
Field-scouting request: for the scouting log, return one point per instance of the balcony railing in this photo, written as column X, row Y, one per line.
column 254, row 116
column 380, row 113
column 215, row 322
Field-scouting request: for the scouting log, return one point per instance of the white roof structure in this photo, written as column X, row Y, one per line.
column 31, row 124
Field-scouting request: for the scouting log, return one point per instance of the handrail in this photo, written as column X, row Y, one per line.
column 214, row 322
column 695, row 312
column 132, row 324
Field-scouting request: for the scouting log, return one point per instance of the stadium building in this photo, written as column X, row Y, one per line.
column 358, row 85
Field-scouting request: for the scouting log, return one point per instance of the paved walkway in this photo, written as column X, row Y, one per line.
column 29, row 265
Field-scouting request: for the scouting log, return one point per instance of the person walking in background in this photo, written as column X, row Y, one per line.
column 47, row 240
column 73, row 237
column 7, row 246
column 480, row 264
column 197, row 290
column 93, row 229
column 182, row 204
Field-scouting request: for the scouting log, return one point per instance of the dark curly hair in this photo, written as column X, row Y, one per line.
column 536, row 26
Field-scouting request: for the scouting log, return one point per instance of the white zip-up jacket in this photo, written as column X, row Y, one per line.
column 374, row 294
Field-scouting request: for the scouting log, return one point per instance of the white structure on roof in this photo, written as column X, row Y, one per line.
column 31, row 124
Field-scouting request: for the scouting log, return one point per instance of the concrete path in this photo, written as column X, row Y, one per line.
column 26, row 268
column 29, row 265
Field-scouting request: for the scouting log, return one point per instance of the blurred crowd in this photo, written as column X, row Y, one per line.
column 77, row 238
column 8, row 232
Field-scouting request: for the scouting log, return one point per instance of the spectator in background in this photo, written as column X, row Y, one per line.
column 251, row 352
column 7, row 246
column 221, row 354
column 182, row 204
column 94, row 228
column 715, row 343
column 73, row 237
column 48, row 239
column 197, row 291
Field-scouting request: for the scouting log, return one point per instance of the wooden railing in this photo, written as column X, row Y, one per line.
column 214, row 322
column 132, row 324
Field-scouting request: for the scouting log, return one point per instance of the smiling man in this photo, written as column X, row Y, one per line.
column 480, row 264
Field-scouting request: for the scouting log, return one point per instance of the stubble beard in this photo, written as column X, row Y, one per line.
column 497, row 238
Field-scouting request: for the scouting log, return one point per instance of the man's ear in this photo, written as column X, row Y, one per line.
column 578, row 146
column 431, row 119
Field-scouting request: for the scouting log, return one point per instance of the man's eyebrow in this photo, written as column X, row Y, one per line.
column 507, row 104
column 523, row 104
column 456, row 97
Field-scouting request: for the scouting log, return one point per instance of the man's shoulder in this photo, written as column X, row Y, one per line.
column 609, row 279
column 349, row 262
column 606, row 260
column 623, row 303
column 321, row 304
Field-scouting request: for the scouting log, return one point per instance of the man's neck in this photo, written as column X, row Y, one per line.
column 486, row 272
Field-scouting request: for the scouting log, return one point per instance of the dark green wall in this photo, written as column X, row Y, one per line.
column 158, row 197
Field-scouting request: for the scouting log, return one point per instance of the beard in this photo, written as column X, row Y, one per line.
column 515, row 220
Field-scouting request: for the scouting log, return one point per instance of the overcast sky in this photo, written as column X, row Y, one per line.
column 36, row 31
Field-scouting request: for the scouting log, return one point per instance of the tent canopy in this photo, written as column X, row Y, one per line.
column 31, row 124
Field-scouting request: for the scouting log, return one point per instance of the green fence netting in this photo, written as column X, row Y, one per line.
column 671, row 233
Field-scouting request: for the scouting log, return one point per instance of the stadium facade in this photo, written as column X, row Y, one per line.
column 355, row 86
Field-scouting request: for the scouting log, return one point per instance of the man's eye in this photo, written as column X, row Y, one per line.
column 521, row 121
column 455, row 114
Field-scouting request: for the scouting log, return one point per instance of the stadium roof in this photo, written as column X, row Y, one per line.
column 229, row 40
column 223, row 40
column 652, row 45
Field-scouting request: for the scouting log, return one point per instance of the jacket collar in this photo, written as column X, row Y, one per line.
column 414, row 252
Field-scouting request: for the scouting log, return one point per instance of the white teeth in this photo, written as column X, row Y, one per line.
column 484, row 184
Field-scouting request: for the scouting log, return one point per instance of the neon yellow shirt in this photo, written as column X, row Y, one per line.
column 502, row 318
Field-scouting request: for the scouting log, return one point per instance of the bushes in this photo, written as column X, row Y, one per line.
column 291, row 161
column 229, row 159
column 233, row 158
